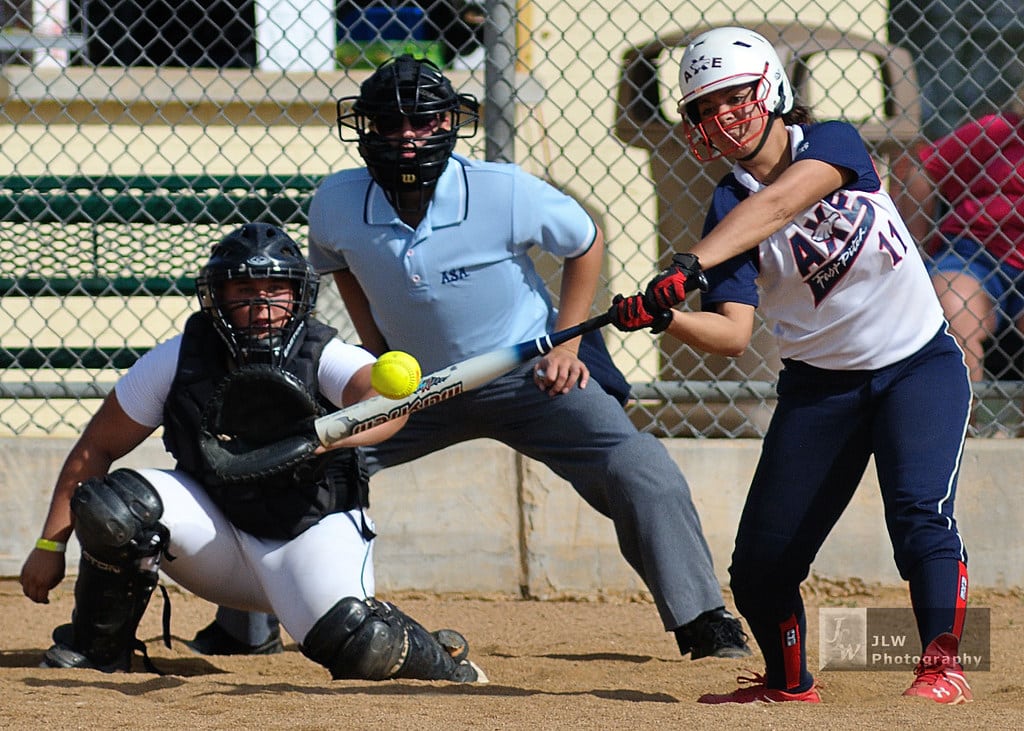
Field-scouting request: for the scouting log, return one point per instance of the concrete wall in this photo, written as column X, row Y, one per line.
column 477, row 518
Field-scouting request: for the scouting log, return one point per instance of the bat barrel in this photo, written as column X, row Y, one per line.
column 446, row 383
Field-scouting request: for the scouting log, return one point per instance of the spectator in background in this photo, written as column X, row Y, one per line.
column 969, row 185
column 967, row 54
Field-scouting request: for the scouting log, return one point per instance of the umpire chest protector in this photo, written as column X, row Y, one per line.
column 285, row 505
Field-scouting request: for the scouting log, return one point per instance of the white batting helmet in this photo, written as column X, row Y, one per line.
column 725, row 57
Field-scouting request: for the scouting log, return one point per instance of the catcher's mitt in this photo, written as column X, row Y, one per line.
column 259, row 423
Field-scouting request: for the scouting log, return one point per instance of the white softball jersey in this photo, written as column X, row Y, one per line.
column 842, row 286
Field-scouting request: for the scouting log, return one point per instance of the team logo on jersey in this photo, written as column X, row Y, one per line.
column 701, row 64
column 825, row 230
column 454, row 275
column 828, row 240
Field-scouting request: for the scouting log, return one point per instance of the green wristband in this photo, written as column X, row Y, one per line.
column 44, row 544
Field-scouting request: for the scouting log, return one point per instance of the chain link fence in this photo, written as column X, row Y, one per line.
column 136, row 132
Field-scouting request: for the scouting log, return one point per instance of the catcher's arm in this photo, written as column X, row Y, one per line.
column 260, row 422
column 109, row 435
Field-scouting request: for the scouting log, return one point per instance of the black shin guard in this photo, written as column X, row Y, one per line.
column 109, row 604
column 117, row 524
column 424, row 658
column 371, row 640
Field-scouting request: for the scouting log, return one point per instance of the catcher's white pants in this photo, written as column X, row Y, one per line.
column 298, row 580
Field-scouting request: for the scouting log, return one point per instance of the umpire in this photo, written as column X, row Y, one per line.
column 430, row 252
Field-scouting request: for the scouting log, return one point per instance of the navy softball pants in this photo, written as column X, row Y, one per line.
column 912, row 417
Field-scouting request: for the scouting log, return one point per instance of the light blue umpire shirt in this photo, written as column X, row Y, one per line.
column 463, row 282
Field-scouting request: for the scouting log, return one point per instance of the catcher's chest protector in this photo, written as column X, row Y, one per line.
column 281, row 507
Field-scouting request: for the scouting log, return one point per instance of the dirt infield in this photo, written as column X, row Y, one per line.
column 568, row 664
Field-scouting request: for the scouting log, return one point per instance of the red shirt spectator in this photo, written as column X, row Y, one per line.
column 979, row 171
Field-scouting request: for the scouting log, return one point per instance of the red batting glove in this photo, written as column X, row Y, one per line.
column 671, row 285
column 633, row 313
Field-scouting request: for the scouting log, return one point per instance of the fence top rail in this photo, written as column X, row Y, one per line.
column 663, row 391
column 171, row 183
column 36, row 286
column 151, row 199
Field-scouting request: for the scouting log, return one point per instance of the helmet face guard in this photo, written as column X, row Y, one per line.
column 406, row 90
column 723, row 134
column 258, row 251
column 723, row 58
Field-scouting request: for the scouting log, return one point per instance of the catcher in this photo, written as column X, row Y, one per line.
column 251, row 368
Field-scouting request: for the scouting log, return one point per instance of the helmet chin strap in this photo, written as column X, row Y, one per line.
column 772, row 116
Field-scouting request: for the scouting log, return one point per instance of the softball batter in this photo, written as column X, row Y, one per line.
column 802, row 228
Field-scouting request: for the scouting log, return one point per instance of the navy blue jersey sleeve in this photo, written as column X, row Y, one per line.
column 726, row 196
column 840, row 144
column 732, row 280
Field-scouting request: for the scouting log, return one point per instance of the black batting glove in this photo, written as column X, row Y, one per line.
column 633, row 313
column 671, row 285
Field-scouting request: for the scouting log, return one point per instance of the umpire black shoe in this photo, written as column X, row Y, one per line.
column 214, row 640
column 715, row 633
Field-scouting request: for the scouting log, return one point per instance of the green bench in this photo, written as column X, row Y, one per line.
column 79, row 242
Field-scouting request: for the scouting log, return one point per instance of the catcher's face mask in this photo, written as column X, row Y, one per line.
column 258, row 290
column 258, row 315
column 257, row 309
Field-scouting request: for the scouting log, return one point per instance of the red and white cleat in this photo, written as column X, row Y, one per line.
column 757, row 692
column 940, row 676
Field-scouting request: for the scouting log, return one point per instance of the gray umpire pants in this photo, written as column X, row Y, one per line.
column 586, row 438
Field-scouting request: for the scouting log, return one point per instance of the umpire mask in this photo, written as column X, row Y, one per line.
column 407, row 93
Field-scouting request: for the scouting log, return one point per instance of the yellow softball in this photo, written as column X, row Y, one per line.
column 395, row 375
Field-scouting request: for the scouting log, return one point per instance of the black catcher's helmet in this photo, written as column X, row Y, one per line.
column 417, row 90
column 257, row 251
